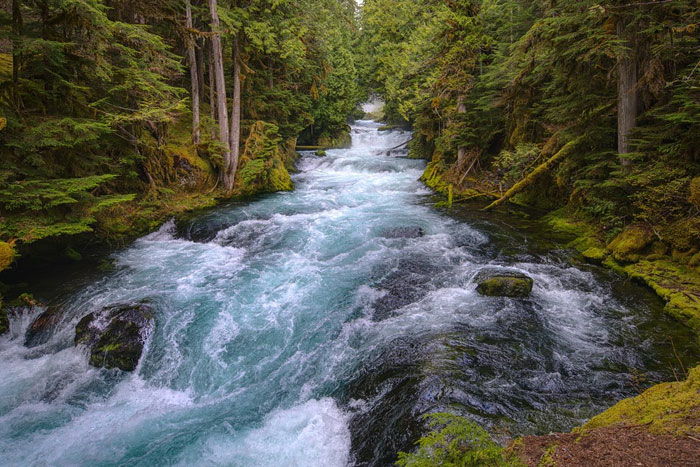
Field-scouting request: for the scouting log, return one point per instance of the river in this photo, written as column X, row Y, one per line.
column 315, row 327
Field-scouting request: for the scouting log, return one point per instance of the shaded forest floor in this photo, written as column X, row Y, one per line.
column 615, row 446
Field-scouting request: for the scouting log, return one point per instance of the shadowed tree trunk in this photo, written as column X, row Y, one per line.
column 212, row 87
column 17, row 31
column 222, row 112
column 461, row 151
column 236, row 110
column 194, row 75
column 626, row 92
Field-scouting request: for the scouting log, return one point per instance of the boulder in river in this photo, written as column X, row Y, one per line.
column 40, row 331
column 504, row 284
column 116, row 335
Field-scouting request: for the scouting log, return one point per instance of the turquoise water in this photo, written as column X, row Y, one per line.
column 313, row 328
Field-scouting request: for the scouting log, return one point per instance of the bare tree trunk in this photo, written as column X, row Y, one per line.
column 221, row 95
column 212, row 96
column 235, row 133
column 461, row 151
column 17, row 31
column 194, row 78
column 199, row 50
column 626, row 93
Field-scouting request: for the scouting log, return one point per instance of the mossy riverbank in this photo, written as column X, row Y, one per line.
column 665, row 415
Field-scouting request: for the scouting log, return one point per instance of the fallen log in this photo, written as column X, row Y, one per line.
column 530, row 178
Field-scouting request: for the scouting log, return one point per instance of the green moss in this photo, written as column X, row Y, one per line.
column 321, row 153
column 582, row 235
column 456, row 441
column 628, row 245
column 669, row 408
column 7, row 255
column 595, row 255
column 678, row 285
column 506, row 286
column 548, row 457
column 262, row 166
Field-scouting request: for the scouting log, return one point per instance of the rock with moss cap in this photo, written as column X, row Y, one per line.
column 116, row 335
column 629, row 244
column 504, row 284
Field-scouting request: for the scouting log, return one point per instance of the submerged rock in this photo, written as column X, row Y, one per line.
column 403, row 232
column 42, row 328
column 504, row 284
column 116, row 335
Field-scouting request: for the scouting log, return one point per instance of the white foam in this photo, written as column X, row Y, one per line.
column 311, row 434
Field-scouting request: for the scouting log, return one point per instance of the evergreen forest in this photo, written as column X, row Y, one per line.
column 343, row 232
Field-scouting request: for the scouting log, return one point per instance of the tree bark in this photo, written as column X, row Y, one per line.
column 626, row 93
column 461, row 151
column 194, row 75
column 212, row 87
column 199, row 50
column 235, row 133
column 221, row 95
column 17, row 31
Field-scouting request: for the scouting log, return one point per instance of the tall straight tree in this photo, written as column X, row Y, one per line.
column 194, row 73
column 626, row 89
column 235, row 134
column 229, row 168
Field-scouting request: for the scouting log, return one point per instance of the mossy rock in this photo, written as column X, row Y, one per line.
column 116, row 335
column 595, row 255
column 7, row 255
column 678, row 285
column 41, row 330
column 512, row 285
column 668, row 408
column 321, row 153
column 629, row 244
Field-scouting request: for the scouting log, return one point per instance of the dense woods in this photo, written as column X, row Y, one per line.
column 582, row 116
column 495, row 88
column 115, row 113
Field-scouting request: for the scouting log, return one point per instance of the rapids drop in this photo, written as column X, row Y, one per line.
column 314, row 328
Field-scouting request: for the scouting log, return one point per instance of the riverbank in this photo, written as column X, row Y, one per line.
column 661, row 426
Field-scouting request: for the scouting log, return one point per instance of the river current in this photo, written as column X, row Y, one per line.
column 315, row 327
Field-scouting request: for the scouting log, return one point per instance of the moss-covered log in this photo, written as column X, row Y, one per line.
column 541, row 169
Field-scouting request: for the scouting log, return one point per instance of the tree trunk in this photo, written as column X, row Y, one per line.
column 199, row 50
column 235, row 133
column 626, row 93
column 17, row 31
column 221, row 95
column 194, row 75
column 212, row 87
column 461, row 151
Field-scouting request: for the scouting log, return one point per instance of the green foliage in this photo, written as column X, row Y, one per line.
column 509, row 82
column 456, row 442
column 262, row 168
